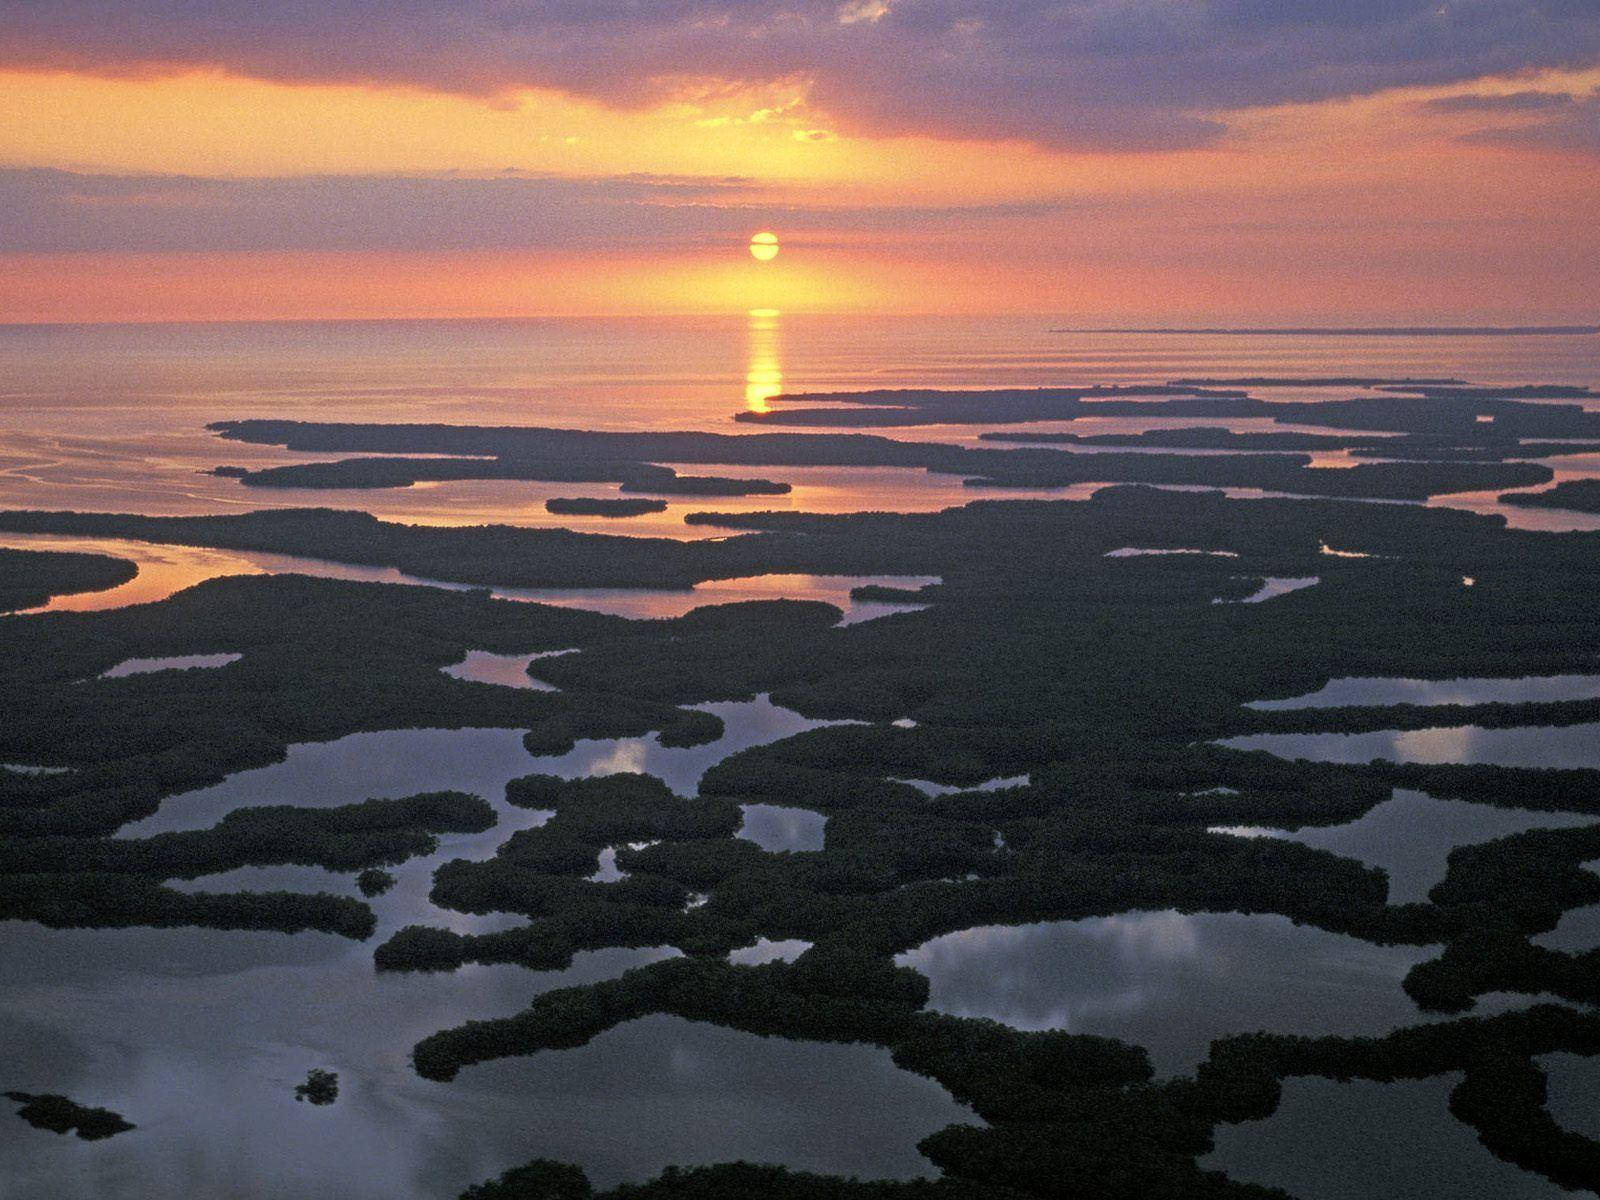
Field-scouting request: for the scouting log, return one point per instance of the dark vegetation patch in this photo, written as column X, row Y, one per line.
column 396, row 472
column 322, row 659
column 1479, row 442
column 583, row 506
column 1446, row 447
column 1577, row 495
column 101, row 900
column 61, row 1115
column 320, row 1087
column 29, row 578
column 340, row 839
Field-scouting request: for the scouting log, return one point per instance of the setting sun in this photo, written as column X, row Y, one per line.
column 764, row 247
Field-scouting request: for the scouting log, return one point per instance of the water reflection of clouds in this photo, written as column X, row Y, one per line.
column 1577, row 932
column 1369, row 690
column 165, row 570
column 1169, row 981
column 746, row 723
column 480, row 761
column 506, row 670
column 403, row 762
column 765, row 950
column 778, row 827
column 1574, row 1083
column 1410, row 835
column 946, row 789
column 148, row 1022
column 1566, row 746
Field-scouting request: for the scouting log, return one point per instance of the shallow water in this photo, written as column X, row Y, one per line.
column 1369, row 690
column 946, row 789
column 1142, row 551
column 199, row 1036
column 641, row 603
column 180, row 662
column 403, row 762
column 111, row 418
column 1574, row 1082
column 165, row 570
column 1361, row 1140
column 1523, row 746
column 779, row 827
column 1275, row 585
column 506, row 670
column 1411, row 835
column 1170, row 981
column 1577, row 932
column 764, row 950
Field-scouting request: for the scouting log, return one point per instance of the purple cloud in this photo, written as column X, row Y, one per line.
column 1082, row 73
column 1571, row 128
column 1512, row 102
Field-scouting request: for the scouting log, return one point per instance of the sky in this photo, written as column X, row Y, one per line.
column 1111, row 161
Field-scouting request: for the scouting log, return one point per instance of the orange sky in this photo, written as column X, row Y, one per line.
column 1370, row 208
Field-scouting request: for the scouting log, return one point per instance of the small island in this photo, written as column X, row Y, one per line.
column 587, row 506
column 320, row 1087
column 61, row 1115
column 1575, row 495
column 374, row 881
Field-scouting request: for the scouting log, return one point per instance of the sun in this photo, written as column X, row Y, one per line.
column 764, row 246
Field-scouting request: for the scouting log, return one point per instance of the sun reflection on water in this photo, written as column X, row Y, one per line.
column 764, row 368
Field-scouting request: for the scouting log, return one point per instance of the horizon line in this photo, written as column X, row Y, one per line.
column 1160, row 330
column 1358, row 330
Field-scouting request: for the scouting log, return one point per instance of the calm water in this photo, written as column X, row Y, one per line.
column 507, row 670
column 164, row 570
column 403, row 762
column 1527, row 746
column 1361, row 1140
column 1170, row 981
column 1364, row 690
column 1410, row 836
column 200, row 1035
column 1577, row 932
column 178, row 662
column 1574, row 1083
column 778, row 827
column 110, row 418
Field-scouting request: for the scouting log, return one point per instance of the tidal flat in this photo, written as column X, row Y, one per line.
column 1122, row 837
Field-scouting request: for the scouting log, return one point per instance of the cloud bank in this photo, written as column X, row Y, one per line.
column 1109, row 74
column 51, row 211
